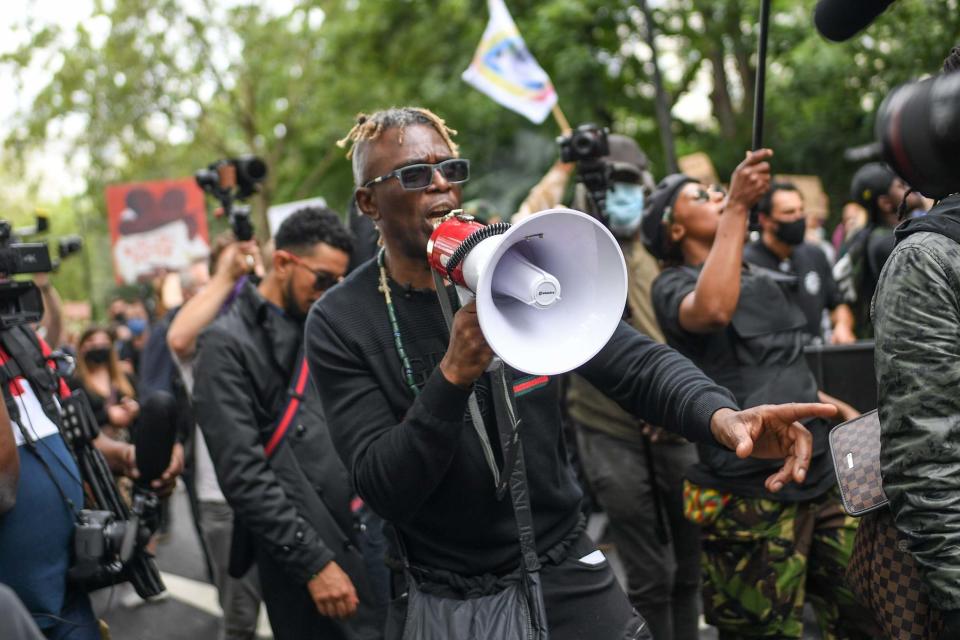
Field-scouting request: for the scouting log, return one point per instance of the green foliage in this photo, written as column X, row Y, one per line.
column 159, row 88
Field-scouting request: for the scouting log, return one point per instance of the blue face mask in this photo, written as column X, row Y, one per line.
column 624, row 208
column 137, row 325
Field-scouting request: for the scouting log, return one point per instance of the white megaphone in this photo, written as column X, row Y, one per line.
column 550, row 290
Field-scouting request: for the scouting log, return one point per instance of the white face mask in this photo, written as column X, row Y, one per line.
column 624, row 208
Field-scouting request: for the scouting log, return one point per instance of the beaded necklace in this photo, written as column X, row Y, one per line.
column 391, row 312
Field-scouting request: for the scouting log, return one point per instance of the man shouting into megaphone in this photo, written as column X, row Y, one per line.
column 396, row 386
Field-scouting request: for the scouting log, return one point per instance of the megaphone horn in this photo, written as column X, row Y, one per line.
column 550, row 290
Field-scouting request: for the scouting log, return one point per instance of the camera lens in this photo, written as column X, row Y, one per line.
column 583, row 144
column 918, row 126
column 251, row 169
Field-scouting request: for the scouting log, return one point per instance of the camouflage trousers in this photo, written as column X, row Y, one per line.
column 763, row 559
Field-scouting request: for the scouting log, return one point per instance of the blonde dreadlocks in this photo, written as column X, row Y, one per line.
column 369, row 128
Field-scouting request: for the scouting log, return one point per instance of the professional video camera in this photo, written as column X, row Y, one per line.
column 111, row 538
column 918, row 126
column 586, row 145
column 20, row 301
column 234, row 180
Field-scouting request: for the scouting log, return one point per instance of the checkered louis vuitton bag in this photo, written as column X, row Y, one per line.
column 855, row 445
column 885, row 579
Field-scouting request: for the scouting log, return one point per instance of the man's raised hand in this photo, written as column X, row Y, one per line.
column 771, row 431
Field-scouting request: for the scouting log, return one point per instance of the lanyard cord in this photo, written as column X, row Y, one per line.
column 475, row 415
column 395, row 326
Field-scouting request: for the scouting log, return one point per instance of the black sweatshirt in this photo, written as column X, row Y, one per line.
column 417, row 461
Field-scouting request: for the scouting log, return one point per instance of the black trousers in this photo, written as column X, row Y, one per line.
column 293, row 615
column 663, row 579
column 583, row 600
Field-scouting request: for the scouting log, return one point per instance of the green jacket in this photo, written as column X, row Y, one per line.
column 916, row 315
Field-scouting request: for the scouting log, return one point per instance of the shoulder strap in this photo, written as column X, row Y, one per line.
column 26, row 359
column 476, row 417
column 298, row 385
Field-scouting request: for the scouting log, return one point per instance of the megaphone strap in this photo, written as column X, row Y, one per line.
column 476, row 417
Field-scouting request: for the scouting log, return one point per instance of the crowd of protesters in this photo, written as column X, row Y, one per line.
column 320, row 403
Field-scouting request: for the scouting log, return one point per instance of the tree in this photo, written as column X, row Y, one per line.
column 159, row 88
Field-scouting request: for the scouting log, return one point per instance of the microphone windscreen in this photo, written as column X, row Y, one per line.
column 840, row 20
column 154, row 435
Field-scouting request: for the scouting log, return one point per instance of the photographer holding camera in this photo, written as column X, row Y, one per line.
column 36, row 535
column 906, row 566
column 53, row 548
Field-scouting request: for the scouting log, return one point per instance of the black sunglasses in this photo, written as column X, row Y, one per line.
column 415, row 177
column 324, row 279
column 703, row 195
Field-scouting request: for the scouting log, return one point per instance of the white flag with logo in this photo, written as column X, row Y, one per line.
column 504, row 69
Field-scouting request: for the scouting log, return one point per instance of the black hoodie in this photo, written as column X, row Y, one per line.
column 944, row 219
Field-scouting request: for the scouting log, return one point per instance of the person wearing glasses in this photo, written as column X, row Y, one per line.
column 764, row 553
column 260, row 418
column 395, row 385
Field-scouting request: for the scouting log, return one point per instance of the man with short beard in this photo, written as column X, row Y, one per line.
column 781, row 248
column 261, row 419
column 395, row 388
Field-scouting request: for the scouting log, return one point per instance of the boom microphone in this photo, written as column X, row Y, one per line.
column 840, row 20
column 154, row 436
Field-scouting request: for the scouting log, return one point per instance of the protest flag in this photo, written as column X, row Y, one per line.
column 504, row 69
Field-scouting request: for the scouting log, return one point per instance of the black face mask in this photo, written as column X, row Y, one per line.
column 792, row 233
column 97, row 356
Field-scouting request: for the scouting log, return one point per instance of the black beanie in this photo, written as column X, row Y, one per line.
column 662, row 197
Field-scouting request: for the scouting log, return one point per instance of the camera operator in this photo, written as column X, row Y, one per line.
column 916, row 313
column 289, row 491
column 659, row 548
column 231, row 263
column 17, row 619
column 739, row 325
column 36, row 534
column 782, row 247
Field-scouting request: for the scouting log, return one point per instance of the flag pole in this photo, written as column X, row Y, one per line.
column 759, row 94
column 561, row 119
column 662, row 102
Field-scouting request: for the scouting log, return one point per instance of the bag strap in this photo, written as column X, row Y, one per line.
column 294, row 398
column 504, row 403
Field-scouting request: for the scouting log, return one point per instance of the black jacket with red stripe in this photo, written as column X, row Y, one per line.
column 296, row 504
column 417, row 461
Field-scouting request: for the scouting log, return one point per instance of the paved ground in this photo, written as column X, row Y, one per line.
column 191, row 612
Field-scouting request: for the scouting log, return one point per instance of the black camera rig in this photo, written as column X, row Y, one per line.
column 230, row 181
column 20, row 301
column 111, row 537
column 586, row 145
